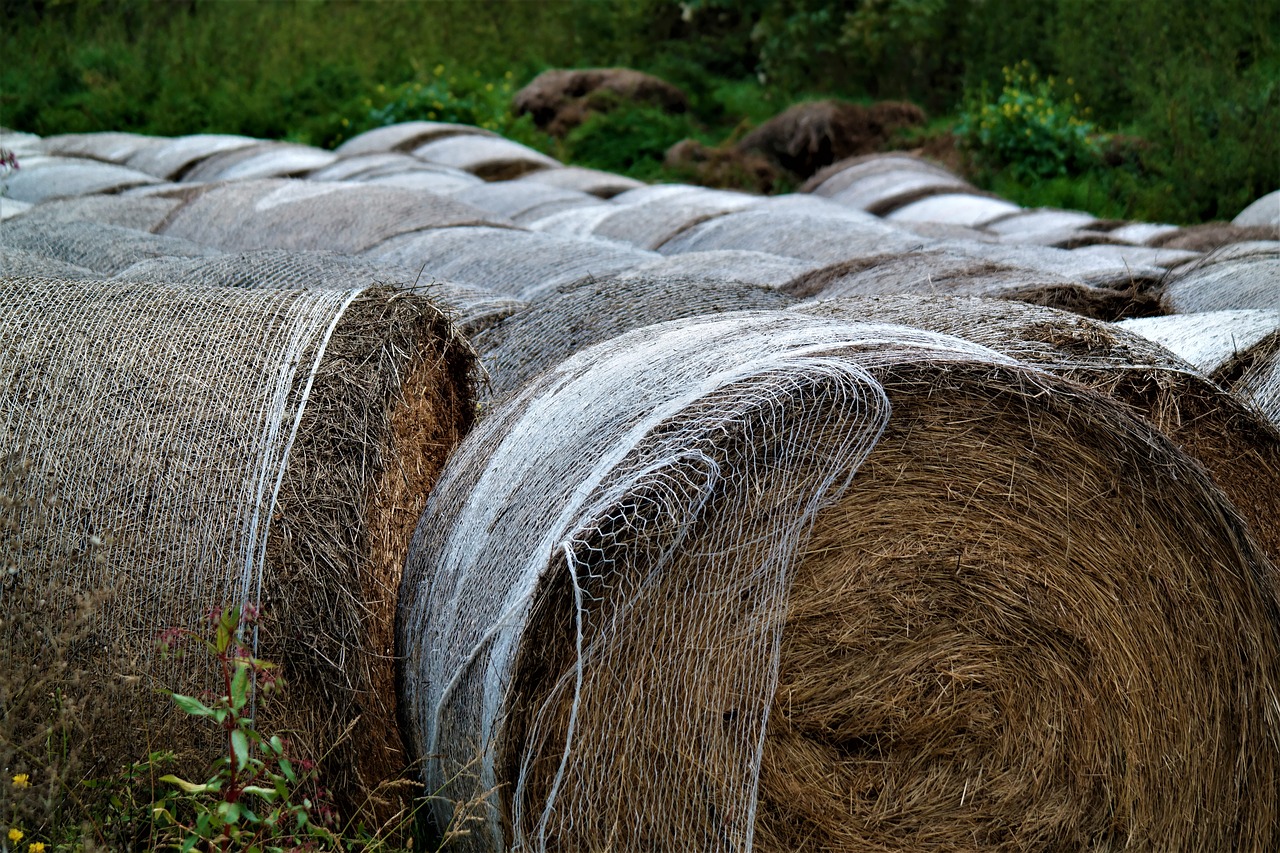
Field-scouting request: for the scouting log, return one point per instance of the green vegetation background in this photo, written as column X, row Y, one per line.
column 1191, row 90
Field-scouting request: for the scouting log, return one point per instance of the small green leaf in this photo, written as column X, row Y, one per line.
column 287, row 769
column 229, row 812
column 189, row 787
column 189, row 843
column 268, row 794
column 240, row 747
column 192, row 706
column 240, row 687
column 277, row 745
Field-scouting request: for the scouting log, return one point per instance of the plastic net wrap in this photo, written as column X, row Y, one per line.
column 175, row 157
column 240, row 447
column 141, row 213
column 104, row 249
column 67, row 177
column 698, row 588
column 1224, row 281
column 267, row 159
column 15, row 263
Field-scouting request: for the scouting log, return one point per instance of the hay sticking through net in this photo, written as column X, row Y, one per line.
column 267, row 447
column 980, row 656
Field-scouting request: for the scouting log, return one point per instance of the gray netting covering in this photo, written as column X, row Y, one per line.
column 1223, row 284
column 1239, row 349
column 360, row 166
column 105, row 249
column 24, row 145
column 471, row 308
column 141, row 213
column 965, row 209
column 1139, row 256
column 10, row 208
column 884, row 192
column 939, row 272
column 570, row 317
column 593, row 181
column 1089, row 269
column 1142, row 233
column 646, row 218
column 577, row 221
column 66, row 177
column 1023, row 224
column 16, row 263
column 492, row 158
column 804, row 236
column 516, row 198
column 263, row 447
column 781, row 584
column 291, row 214
column 517, row 263
column 261, row 160
column 431, row 178
column 739, row 265
column 841, row 174
column 406, row 136
column 110, row 147
column 812, row 205
column 176, row 156
column 1264, row 211
column 1173, row 392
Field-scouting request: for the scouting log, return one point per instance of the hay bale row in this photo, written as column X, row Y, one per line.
column 266, row 447
column 104, row 249
column 43, row 178
column 1246, row 275
column 774, row 582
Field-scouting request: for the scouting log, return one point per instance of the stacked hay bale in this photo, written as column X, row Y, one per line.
column 774, row 582
column 242, row 447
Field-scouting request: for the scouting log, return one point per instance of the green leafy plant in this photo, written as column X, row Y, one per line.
column 631, row 139
column 259, row 798
column 1029, row 128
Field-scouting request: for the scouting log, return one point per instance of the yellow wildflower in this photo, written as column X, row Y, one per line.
column 22, row 780
column 35, row 847
column 508, row 75
column 1070, row 82
column 15, row 834
column 488, row 87
column 438, row 70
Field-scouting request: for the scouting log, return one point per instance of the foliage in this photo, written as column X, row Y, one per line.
column 1029, row 128
column 630, row 139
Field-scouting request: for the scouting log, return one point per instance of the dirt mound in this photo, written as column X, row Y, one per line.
column 810, row 135
column 561, row 99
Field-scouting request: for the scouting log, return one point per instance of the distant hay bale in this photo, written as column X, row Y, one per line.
column 264, row 447
column 968, row 209
column 839, row 175
column 69, row 177
column 885, row 192
column 141, row 213
column 405, row 136
column 109, row 147
column 594, row 181
column 1240, row 450
column 571, row 317
column 514, row 199
column 560, row 99
column 753, row 582
column 104, row 249
column 260, row 160
column 472, row 309
column 361, row 166
column 650, row 216
column 175, row 157
column 1214, row 235
column 802, row 235
column 730, row 265
column 431, row 178
column 810, row 135
column 512, row 262
column 1139, row 256
column 347, row 217
column 19, row 263
column 1240, row 350
column 1263, row 212
column 1222, row 281
column 489, row 158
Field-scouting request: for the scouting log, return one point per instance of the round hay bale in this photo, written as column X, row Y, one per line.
column 565, row 319
column 511, row 199
column 67, row 177
column 1141, row 233
column 109, row 147
column 1240, row 450
column 22, row 144
column 10, row 208
column 104, row 249
column 405, row 136
column 347, row 217
column 141, row 213
column 771, row 584
column 431, row 178
column 360, row 166
column 736, row 265
column 1263, row 212
column 516, row 263
column 172, row 160
column 646, row 218
column 1224, row 283
column 592, row 181
column 1240, row 350
column 1138, row 256
column 966, row 209
column 1214, row 235
column 800, row 235
column 19, row 263
column 489, row 158
column 575, row 221
column 471, row 308
column 838, row 176
column 884, row 192
column 260, row 160
column 243, row 447
column 1037, row 219
column 560, row 99
column 810, row 135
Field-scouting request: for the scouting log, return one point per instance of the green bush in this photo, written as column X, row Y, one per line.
column 1029, row 128
column 630, row 139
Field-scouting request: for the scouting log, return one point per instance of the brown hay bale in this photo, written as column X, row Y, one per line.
column 104, row 249
column 750, row 582
column 172, row 160
column 347, row 217
column 1240, row 450
column 721, row 167
column 1214, row 235
column 810, row 135
column 268, row 447
column 559, row 99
